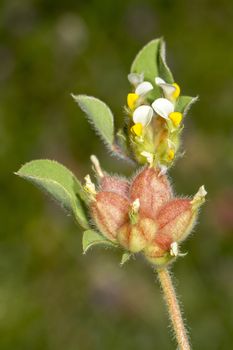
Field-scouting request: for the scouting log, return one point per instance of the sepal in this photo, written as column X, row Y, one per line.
column 109, row 211
column 92, row 238
column 152, row 189
column 125, row 258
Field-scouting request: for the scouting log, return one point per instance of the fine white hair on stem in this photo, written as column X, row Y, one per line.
column 174, row 308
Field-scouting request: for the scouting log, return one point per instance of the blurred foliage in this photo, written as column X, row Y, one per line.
column 51, row 296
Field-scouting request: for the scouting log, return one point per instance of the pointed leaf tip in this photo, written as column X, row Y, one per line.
column 99, row 115
column 163, row 70
column 184, row 103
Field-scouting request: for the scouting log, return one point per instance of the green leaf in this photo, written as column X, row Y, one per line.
column 99, row 115
column 146, row 61
column 92, row 238
column 125, row 258
column 60, row 183
column 184, row 103
column 124, row 145
column 151, row 62
column 163, row 70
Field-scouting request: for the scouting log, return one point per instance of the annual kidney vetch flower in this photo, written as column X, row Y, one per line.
column 154, row 126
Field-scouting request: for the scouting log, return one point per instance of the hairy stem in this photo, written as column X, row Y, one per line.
column 173, row 309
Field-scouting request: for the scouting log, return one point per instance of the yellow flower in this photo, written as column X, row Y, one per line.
column 176, row 118
column 137, row 129
column 131, row 100
column 171, row 154
column 176, row 93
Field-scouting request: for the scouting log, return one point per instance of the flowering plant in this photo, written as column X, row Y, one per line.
column 141, row 214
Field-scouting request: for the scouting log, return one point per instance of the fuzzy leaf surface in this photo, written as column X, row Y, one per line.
column 55, row 179
column 99, row 115
column 163, row 70
column 184, row 103
column 146, row 61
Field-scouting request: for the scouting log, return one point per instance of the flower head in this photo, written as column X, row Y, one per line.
column 148, row 136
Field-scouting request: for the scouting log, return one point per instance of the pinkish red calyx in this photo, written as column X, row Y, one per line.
column 143, row 215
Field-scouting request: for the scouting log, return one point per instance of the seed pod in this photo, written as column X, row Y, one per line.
column 136, row 237
column 152, row 189
column 110, row 212
column 115, row 184
column 175, row 221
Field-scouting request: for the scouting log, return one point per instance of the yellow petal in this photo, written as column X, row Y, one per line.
column 176, row 118
column 137, row 129
column 171, row 154
column 176, row 93
column 131, row 100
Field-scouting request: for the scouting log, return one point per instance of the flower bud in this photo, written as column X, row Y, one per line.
column 115, row 184
column 136, row 237
column 152, row 189
column 110, row 212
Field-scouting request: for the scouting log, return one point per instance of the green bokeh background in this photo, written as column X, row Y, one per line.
column 52, row 296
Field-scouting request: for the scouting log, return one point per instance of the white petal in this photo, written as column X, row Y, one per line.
column 144, row 88
column 168, row 89
column 135, row 78
column 163, row 107
column 159, row 81
column 149, row 157
column 143, row 115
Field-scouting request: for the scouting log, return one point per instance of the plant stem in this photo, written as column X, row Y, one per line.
column 173, row 309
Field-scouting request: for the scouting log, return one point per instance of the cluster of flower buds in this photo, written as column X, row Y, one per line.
column 154, row 124
column 142, row 215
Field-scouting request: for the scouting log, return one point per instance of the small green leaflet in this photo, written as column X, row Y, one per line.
column 99, row 115
column 184, row 103
column 92, row 238
column 125, row 258
column 60, row 183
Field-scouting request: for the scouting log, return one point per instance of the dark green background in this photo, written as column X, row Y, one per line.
column 51, row 296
